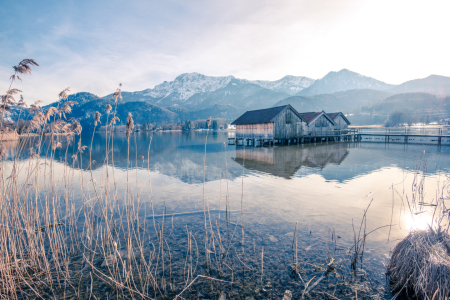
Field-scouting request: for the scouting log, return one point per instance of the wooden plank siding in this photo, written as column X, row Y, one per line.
column 287, row 125
column 320, row 126
column 340, row 123
column 255, row 131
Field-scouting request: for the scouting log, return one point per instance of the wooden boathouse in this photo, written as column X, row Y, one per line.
column 317, row 123
column 282, row 123
column 340, row 120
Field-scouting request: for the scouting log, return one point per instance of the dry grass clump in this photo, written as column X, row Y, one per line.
column 420, row 264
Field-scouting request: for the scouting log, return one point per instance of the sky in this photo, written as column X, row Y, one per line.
column 93, row 46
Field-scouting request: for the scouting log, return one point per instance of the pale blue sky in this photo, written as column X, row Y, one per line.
column 94, row 45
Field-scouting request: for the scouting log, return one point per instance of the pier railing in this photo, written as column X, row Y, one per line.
column 433, row 131
column 333, row 132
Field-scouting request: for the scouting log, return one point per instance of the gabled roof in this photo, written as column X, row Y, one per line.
column 334, row 115
column 262, row 115
column 312, row 116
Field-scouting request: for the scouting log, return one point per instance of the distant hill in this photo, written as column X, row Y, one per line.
column 229, row 112
column 80, row 98
column 340, row 101
column 434, row 84
column 416, row 107
column 216, row 111
column 411, row 103
column 142, row 112
column 342, row 81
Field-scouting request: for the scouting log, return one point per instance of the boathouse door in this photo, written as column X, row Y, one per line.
column 299, row 129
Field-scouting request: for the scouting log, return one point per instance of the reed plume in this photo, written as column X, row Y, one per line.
column 67, row 108
column 35, row 107
column 130, row 125
column 50, row 112
column 21, row 102
column 118, row 93
column 7, row 101
column 63, row 95
column 113, row 121
column 76, row 127
column 97, row 118
column 24, row 67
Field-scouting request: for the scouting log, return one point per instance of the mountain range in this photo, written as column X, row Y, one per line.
column 196, row 96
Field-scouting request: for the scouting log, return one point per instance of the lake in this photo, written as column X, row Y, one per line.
column 255, row 221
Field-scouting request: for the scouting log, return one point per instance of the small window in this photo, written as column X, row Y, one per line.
column 319, row 122
column 288, row 117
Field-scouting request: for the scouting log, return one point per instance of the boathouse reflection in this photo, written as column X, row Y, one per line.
column 286, row 161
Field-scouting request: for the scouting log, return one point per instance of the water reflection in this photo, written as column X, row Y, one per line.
column 9, row 148
column 286, row 161
column 182, row 155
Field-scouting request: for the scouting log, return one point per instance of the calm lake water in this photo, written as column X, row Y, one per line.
column 320, row 189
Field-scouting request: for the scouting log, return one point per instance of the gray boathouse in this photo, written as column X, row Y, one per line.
column 340, row 120
column 318, row 123
column 285, row 125
column 266, row 125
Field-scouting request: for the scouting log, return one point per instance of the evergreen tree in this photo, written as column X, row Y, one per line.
column 214, row 125
column 188, row 125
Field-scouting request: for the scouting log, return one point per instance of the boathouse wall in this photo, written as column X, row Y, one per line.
column 320, row 126
column 340, row 123
column 287, row 125
column 255, row 131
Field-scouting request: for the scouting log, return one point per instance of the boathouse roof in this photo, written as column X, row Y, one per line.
column 262, row 115
column 334, row 115
column 311, row 116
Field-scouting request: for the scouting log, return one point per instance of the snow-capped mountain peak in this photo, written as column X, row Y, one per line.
column 288, row 84
column 188, row 84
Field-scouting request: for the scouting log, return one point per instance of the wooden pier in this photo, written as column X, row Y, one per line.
column 324, row 137
column 429, row 139
column 346, row 136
